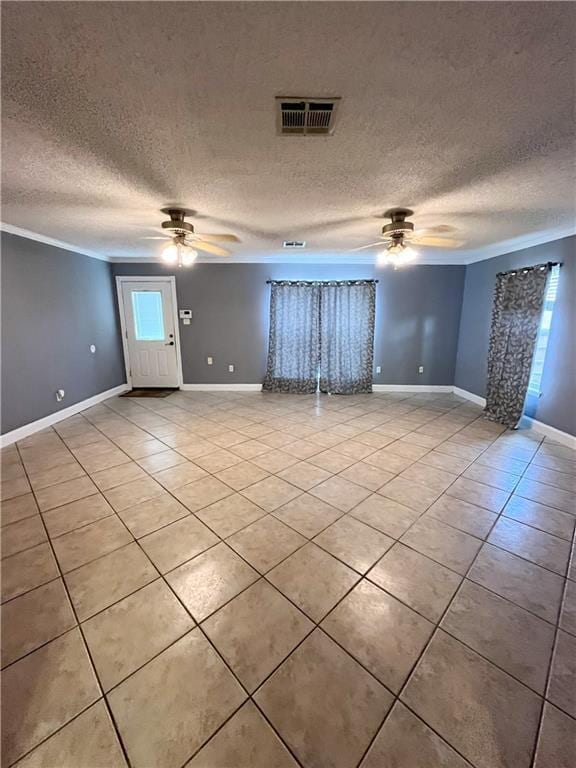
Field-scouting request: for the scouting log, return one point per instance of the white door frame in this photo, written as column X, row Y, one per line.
column 171, row 280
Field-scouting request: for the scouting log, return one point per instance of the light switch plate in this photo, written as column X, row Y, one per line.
column 230, row 369
column 210, row 361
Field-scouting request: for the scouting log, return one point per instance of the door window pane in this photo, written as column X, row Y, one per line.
column 148, row 315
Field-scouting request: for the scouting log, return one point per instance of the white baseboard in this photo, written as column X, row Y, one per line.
column 411, row 388
column 527, row 422
column 54, row 418
column 221, row 387
column 476, row 399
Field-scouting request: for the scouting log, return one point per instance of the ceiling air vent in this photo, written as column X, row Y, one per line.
column 294, row 244
column 305, row 117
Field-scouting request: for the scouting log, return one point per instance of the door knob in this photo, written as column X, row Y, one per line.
column 169, row 344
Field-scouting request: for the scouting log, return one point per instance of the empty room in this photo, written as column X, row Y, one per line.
column 288, row 384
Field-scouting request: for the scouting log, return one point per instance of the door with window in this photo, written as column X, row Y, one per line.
column 150, row 333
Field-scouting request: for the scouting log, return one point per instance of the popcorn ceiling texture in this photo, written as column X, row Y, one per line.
column 460, row 110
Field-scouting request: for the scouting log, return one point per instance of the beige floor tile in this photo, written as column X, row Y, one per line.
column 557, row 743
column 135, row 492
column 128, row 634
column 163, row 722
column 265, row 543
column 209, row 580
column 56, row 475
column 562, row 685
column 124, row 473
column 94, row 540
column 22, row 535
column 332, row 461
column 149, row 516
column 404, row 741
column 271, row 493
column 102, row 460
column 246, row 741
column 180, row 475
column 27, row 570
column 255, row 632
column 563, row 480
column 18, row 508
column 354, row 449
column 74, row 515
column 416, row 580
column 218, row 460
column 512, row 638
column 201, row 493
column 497, row 478
column 469, row 702
column 88, row 740
column 33, row 619
column 307, row 514
column 304, row 475
column 229, row 515
column 524, row 583
column 174, row 544
column 46, row 689
column 410, row 494
column 242, row 475
column 303, row 449
column 448, row 546
column 527, row 542
column 367, row 476
column 63, row 493
column 340, row 493
column 356, row 544
column 388, row 460
column 10, row 489
column 294, row 699
column 539, row 516
column 145, row 448
column 249, row 449
column 386, row 515
column 462, row 515
column 446, row 462
column 159, row 461
column 477, row 493
column 381, row 633
column 313, row 580
column 547, row 494
column 431, row 477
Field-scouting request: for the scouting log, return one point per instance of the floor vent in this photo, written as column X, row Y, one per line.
column 294, row 244
column 305, row 117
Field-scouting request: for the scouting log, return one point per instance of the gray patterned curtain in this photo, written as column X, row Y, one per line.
column 347, row 336
column 518, row 300
column 293, row 345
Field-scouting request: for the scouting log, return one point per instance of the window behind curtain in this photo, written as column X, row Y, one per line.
column 537, row 370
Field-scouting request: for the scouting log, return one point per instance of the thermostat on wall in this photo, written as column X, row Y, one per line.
column 185, row 314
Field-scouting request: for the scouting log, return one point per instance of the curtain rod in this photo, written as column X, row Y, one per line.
column 548, row 264
column 320, row 282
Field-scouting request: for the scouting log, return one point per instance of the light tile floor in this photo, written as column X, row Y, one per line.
column 268, row 581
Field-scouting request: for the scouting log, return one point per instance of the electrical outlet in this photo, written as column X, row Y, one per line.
column 230, row 368
column 93, row 349
column 420, row 369
column 378, row 369
column 210, row 361
column 60, row 394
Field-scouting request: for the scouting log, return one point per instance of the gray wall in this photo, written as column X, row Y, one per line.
column 55, row 304
column 417, row 318
column 557, row 405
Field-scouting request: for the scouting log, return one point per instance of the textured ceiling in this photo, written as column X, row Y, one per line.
column 462, row 111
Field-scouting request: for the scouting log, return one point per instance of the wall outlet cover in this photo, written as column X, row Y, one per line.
column 230, row 368
column 209, row 361
column 420, row 369
column 378, row 369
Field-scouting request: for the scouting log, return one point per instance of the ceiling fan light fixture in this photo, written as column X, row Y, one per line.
column 178, row 252
column 169, row 254
column 397, row 254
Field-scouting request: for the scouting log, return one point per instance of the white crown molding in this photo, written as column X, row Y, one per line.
column 54, row 418
column 517, row 244
column 29, row 235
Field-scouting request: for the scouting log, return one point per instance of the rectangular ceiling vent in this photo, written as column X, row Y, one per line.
column 305, row 117
column 294, row 244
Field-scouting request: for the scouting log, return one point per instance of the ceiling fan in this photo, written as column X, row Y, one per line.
column 399, row 235
column 184, row 243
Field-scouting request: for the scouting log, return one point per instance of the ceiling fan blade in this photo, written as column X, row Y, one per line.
column 381, row 243
column 436, row 242
column 218, row 238
column 200, row 245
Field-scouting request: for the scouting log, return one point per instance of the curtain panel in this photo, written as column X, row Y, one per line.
column 516, row 313
column 321, row 333
column 294, row 342
column 347, row 313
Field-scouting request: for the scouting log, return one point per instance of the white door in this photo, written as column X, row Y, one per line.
column 150, row 333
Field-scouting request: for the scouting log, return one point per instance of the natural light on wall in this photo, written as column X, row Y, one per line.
column 537, row 371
